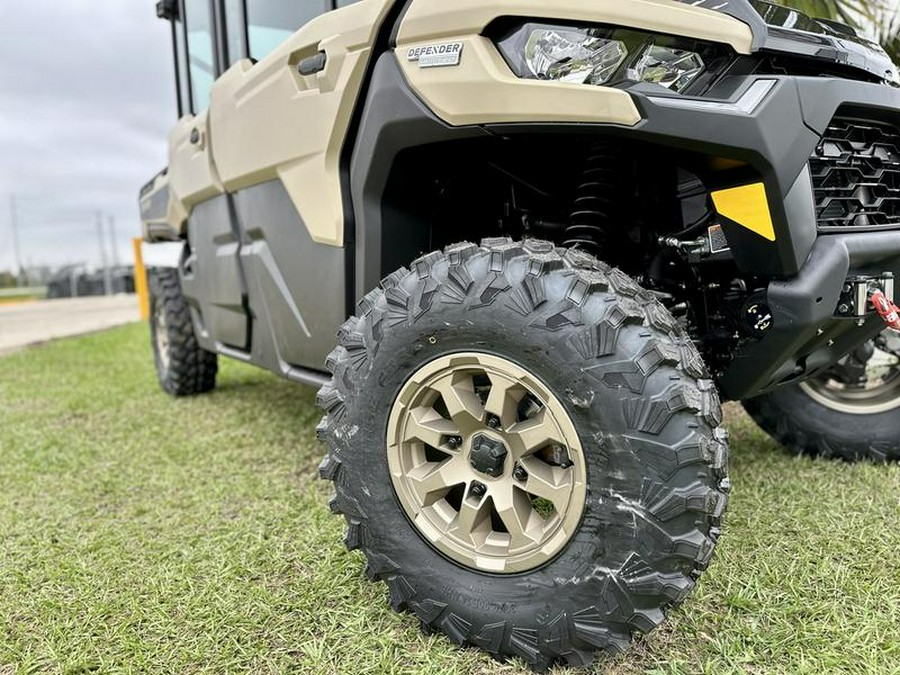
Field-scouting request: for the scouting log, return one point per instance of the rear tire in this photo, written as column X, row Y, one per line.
column 182, row 366
column 646, row 417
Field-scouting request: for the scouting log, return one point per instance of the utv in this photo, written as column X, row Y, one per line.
column 677, row 202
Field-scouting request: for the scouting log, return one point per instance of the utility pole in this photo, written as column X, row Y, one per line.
column 104, row 261
column 113, row 241
column 14, row 215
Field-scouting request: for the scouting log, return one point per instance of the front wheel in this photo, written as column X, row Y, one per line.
column 525, row 447
column 851, row 412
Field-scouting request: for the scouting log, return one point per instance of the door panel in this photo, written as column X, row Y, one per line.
column 296, row 287
column 269, row 122
column 211, row 277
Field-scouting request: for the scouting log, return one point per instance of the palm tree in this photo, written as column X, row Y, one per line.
column 881, row 15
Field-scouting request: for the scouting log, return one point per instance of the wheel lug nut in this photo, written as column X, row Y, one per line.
column 477, row 490
column 493, row 422
column 454, row 442
column 520, row 473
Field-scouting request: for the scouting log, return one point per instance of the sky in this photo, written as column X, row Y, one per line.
column 87, row 97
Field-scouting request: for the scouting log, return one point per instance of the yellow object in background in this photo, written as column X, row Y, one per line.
column 140, row 279
column 748, row 206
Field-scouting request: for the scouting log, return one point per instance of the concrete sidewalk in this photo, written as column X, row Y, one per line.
column 35, row 322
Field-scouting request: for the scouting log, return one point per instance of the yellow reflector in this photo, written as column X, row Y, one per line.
column 140, row 279
column 747, row 206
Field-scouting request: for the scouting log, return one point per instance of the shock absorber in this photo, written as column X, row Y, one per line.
column 597, row 200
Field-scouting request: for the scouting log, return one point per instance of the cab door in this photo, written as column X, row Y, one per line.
column 278, row 122
column 212, row 278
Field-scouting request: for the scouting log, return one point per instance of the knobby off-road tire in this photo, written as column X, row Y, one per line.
column 646, row 417
column 182, row 366
column 806, row 426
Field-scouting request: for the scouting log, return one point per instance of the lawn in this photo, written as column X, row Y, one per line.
column 144, row 534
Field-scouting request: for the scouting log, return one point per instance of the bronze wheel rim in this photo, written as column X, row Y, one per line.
column 486, row 463
column 880, row 393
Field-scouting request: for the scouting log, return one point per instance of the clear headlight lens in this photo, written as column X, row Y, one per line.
column 598, row 55
column 573, row 55
column 675, row 69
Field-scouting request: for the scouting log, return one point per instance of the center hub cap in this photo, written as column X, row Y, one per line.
column 488, row 455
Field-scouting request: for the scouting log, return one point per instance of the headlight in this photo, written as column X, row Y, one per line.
column 674, row 69
column 599, row 55
column 573, row 56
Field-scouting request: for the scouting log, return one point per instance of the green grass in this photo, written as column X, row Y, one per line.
column 144, row 534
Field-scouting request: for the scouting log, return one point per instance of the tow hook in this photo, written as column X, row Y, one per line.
column 886, row 309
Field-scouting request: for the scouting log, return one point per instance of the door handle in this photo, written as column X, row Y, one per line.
column 313, row 64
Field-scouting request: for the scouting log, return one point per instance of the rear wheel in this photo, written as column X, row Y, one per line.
column 182, row 366
column 526, row 449
column 850, row 412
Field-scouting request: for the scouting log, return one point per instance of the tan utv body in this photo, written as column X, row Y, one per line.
column 675, row 202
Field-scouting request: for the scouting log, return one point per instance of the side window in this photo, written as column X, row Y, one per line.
column 271, row 22
column 199, row 22
column 235, row 30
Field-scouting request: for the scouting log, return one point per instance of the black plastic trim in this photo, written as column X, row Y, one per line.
column 806, row 337
column 824, row 41
column 382, row 44
column 393, row 119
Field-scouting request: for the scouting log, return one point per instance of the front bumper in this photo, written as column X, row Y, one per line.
column 807, row 336
column 809, row 268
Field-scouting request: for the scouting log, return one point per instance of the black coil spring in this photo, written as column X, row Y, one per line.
column 596, row 200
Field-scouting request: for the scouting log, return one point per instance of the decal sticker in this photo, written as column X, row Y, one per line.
column 436, row 56
column 748, row 206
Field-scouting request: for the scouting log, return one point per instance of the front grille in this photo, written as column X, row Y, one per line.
column 856, row 175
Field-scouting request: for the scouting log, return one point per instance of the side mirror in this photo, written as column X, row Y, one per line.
column 167, row 9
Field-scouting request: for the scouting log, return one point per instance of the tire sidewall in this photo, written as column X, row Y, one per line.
column 817, row 429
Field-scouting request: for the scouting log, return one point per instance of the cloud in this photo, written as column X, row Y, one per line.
column 86, row 101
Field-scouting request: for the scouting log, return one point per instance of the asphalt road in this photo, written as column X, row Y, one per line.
column 35, row 322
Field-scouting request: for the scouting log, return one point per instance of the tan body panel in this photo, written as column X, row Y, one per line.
column 270, row 122
column 483, row 89
column 192, row 174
